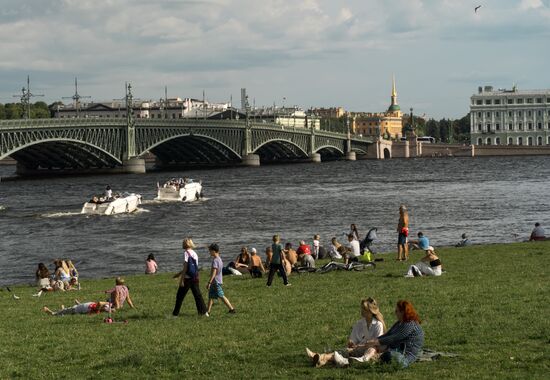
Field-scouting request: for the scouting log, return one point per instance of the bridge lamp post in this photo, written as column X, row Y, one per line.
column 350, row 155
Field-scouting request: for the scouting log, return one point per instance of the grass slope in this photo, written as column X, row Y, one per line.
column 492, row 307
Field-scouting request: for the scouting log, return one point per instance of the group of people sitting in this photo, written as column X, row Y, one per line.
column 177, row 183
column 371, row 341
column 430, row 264
column 64, row 277
column 107, row 196
column 304, row 257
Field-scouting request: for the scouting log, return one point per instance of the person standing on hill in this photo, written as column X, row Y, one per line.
column 189, row 279
column 277, row 261
column 403, row 233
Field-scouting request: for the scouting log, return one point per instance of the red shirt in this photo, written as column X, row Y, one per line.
column 303, row 250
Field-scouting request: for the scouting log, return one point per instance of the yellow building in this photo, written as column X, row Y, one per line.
column 389, row 123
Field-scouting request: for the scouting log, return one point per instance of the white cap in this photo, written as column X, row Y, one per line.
column 253, row 250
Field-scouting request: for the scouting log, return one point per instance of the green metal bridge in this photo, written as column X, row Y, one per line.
column 42, row 145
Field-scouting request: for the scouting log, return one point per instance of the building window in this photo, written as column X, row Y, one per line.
column 509, row 113
column 529, row 113
column 488, row 101
column 519, row 113
column 510, row 101
column 520, row 126
column 479, row 127
column 530, row 100
column 539, row 126
column 510, row 141
column 520, row 140
column 530, row 126
column 510, row 126
column 539, row 100
column 497, row 101
column 488, row 127
column 497, row 141
column 488, row 141
column 539, row 140
column 479, row 102
column 519, row 101
column 498, row 127
column 479, row 114
column 479, row 141
column 488, row 114
column 497, row 114
column 529, row 141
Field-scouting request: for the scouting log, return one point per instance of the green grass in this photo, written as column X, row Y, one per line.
column 492, row 307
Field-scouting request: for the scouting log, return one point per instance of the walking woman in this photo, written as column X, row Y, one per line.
column 189, row 279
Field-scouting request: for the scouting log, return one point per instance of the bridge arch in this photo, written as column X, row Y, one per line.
column 62, row 153
column 193, row 148
column 280, row 149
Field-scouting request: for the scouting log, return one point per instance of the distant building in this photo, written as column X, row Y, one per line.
column 510, row 117
column 389, row 123
column 329, row 113
column 171, row 108
column 292, row 117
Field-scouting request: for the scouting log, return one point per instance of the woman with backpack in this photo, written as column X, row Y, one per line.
column 189, row 279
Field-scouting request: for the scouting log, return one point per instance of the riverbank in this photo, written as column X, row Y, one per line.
column 490, row 308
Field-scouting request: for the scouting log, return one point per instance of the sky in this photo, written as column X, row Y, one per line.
column 309, row 53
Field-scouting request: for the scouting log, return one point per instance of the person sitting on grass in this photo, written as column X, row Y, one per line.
column 464, row 242
column 353, row 250
column 538, row 233
column 214, row 284
column 403, row 342
column 73, row 282
column 421, row 243
column 256, row 266
column 151, row 266
column 290, row 254
column 429, row 265
column 119, row 294
column 336, row 249
column 242, row 262
column 369, row 327
column 81, row 308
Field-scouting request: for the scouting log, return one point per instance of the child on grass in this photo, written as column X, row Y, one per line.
column 151, row 266
column 214, row 284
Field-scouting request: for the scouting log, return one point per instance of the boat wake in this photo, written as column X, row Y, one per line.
column 58, row 214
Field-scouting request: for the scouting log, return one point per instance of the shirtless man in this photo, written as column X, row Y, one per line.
column 403, row 231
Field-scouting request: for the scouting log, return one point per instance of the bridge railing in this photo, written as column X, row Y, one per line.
column 62, row 123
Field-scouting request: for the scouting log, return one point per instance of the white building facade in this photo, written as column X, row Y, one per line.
column 510, row 117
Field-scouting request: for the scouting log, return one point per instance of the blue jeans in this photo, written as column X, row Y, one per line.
column 395, row 356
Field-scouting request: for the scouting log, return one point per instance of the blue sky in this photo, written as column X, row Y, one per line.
column 311, row 52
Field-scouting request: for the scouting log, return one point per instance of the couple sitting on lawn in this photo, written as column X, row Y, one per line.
column 368, row 342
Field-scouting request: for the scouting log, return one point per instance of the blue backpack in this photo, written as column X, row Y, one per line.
column 192, row 268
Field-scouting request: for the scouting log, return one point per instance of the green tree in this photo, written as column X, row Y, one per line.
column 40, row 110
column 2, row 112
column 432, row 129
column 13, row 111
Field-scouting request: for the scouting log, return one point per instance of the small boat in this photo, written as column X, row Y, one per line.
column 119, row 205
column 179, row 189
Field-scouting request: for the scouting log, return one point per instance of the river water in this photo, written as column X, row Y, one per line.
column 491, row 199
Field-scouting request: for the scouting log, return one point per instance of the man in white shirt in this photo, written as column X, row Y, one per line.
column 538, row 233
column 353, row 250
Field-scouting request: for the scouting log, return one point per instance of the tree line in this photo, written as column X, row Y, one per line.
column 11, row 111
column 444, row 130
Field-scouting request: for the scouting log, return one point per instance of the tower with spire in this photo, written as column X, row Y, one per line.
column 394, row 107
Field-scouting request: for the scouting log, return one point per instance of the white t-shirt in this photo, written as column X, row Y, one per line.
column 360, row 332
column 334, row 252
column 538, row 232
column 193, row 254
column 109, row 193
column 355, row 248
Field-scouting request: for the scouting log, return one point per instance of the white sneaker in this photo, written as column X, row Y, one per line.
column 37, row 294
column 206, row 315
column 360, row 359
column 409, row 275
column 339, row 360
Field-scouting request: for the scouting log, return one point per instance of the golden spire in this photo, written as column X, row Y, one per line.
column 393, row 92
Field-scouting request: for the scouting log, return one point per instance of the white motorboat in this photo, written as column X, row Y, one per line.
column 183, row 190
column 124, row 204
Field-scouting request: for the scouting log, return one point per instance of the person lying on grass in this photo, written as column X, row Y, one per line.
column 369, row 327
column 81, row 308
column 403, row 342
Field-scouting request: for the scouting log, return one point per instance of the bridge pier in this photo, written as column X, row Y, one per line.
column 251, row 160
column 133, row 166
column 351, row 156
column 315, row 158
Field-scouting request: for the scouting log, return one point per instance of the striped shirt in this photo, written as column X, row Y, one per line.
column 407, row 337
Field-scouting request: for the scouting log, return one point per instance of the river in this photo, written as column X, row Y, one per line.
column 495, row 199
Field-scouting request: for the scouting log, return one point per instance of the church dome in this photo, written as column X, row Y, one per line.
column 394, row 108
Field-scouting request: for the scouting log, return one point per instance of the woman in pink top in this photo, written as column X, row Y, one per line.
column 151, row 264
column 119, row 294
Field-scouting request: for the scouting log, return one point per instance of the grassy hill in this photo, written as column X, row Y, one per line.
column 491, row 307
